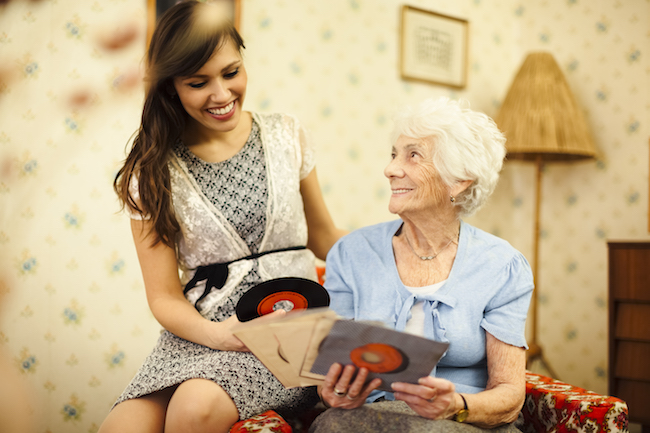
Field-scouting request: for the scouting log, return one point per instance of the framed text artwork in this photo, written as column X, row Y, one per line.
column 156, row 8
column 433, row 47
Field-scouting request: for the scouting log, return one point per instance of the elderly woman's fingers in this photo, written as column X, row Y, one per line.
column 329, row 383
column 442, row 385
column 356, row 387
column 355, row 400
column 337, row 381
column 359, row 390
column 333, row 375
column 428, row 388
column 373, row 385
column 416, row 394
column 360, row 387
column 341, row 388
column 430, row 398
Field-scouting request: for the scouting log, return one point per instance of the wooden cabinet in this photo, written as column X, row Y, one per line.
column 629, row 327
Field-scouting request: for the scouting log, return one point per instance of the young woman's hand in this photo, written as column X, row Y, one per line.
column 222, row 338
column 431, row 397
column 221, row 335
column 339, row 390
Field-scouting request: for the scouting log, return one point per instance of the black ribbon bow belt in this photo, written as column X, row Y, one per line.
column 216, row 274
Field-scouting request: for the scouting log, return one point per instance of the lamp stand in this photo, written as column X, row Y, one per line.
column 535, row 351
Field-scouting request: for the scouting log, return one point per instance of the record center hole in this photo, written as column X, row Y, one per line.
column 372, row 357
column 283, row 305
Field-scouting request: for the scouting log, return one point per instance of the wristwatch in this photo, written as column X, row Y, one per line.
column 462, row 414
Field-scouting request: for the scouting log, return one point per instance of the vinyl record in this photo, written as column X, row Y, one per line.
column 379, row 358
column 281, row 293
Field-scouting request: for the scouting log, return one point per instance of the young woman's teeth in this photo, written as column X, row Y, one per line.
column 221, row 111
column 399, row 191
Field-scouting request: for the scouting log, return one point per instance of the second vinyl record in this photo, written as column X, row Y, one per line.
column 290, row 293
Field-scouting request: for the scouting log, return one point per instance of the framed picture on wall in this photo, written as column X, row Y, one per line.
column 156, row 8
column 433, row 47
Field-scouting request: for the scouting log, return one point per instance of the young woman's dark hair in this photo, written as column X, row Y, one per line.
column 185, row 38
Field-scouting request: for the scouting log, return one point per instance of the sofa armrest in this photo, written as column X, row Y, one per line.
column 554, row 406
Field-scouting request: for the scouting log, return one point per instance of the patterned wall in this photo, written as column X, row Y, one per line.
column 75, row 320
column 75, row 324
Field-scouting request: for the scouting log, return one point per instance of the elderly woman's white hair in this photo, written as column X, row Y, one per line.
column 467, row 145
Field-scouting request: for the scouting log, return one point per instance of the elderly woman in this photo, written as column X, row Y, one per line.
column 429, row 273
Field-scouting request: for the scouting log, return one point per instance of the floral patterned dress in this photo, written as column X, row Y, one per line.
column 248, row 204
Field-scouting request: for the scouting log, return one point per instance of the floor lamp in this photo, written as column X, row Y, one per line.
column 542, row 123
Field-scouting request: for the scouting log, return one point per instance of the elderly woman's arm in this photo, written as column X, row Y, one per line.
column 499, row 404
column 505, row 393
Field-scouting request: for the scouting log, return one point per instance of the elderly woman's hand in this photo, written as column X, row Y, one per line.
column 431, row 398
column 339, row 390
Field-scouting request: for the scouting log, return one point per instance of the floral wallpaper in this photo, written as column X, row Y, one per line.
column 74, row 322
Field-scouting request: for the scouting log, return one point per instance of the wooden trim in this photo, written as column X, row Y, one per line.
column 151, row 19
column 640, row 244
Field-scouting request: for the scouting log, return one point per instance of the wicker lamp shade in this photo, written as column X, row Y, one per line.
column 540, row 117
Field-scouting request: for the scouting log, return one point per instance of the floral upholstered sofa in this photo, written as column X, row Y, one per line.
column 551, row 406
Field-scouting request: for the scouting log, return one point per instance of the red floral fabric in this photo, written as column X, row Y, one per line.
column 268, row 422
column 554, row 406
column 320, row 271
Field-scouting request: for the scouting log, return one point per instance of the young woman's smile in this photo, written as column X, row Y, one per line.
column 223, row 113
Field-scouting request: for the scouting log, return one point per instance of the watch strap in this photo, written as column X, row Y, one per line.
column 462, row 414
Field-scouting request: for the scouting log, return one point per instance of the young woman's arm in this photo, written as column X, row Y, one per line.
column 166, row 299
column 322, row 231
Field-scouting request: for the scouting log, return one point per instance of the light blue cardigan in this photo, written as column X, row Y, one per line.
column 488, row 289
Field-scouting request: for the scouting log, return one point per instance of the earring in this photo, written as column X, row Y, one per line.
column 452, row 198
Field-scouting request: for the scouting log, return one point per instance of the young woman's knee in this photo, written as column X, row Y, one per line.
column 200, row 405
column 140, row 415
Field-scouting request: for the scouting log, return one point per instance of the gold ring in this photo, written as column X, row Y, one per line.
column 339, row 393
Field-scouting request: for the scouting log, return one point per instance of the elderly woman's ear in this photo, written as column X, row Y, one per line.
column 459, row 187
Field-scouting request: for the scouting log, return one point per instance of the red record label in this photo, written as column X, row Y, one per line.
column 377, row 357
column 298, row 301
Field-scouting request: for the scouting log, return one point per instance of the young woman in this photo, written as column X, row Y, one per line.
column 231, row 199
